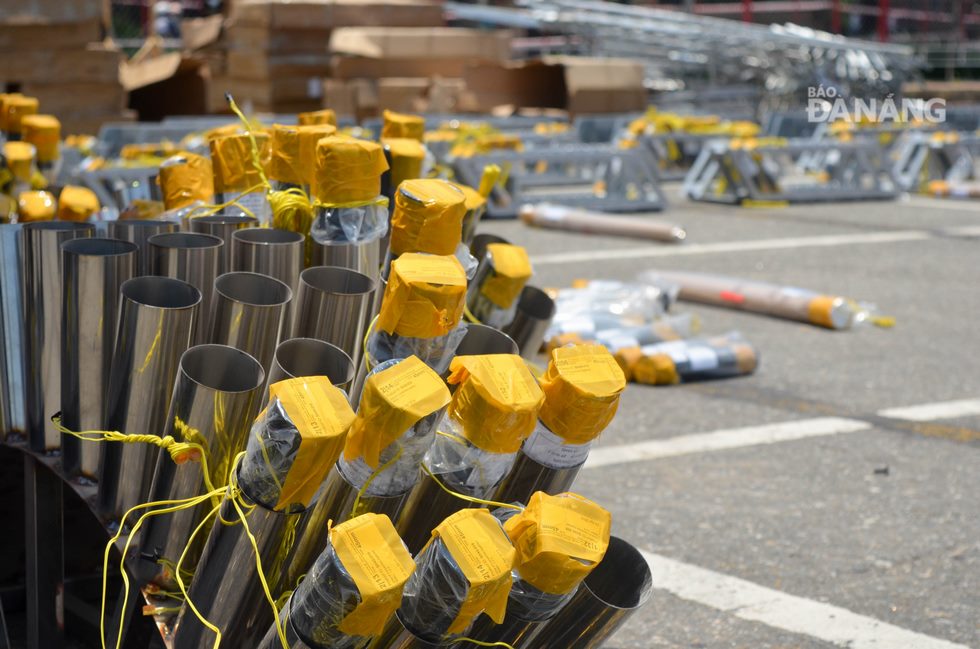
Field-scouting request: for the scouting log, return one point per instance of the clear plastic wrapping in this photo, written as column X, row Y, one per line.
column 347, row 225
column 436, row 352
column 273, row 445
column 464, row 467
column 630, row 301
column 669, row 327
column 434, row 594
column 694, row 359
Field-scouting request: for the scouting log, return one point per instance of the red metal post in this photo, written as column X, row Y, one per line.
column 883, row 6
column 835, row 25
column 747, row 11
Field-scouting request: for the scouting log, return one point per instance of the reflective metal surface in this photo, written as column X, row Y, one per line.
column 513, row 630
column 310, row 357
column 223, row 226
column 535, row 309
column 13, row 419
column 332, row 305
column 478, row 247
column 194, row 259
column 528, row 476
column 139, row 232
column 396, row 636
column 250, row 314
column 93, row 272
column 41, row 275
column 426, row 506
column 156, row 321
column 217, row 395
column 481, row 339
column 270, row 251
column 363, row 257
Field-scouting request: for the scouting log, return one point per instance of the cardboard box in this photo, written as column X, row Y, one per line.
column 240, row 36
column 327, row 14
column 357, row 98
column 94, row 64
column 168, row 84
column 80, row 99
column 356, row 67
column 278, row 90
column 38, row 34
column 600, row 85
column 430, row 43
column 71, row 125
column 260, row 65
column 403, row 95
column 62, row 11
column 533, row 83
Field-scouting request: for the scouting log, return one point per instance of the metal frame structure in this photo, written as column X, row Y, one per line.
column 923, row 157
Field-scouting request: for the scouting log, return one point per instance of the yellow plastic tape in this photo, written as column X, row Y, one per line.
column 309, row 135
column 821, row 310
column 35, row 206
column 44, row 132
column 20, row 159
column 559, row 540
column 285, row 164
column 581, row 387
column 15, row 108
column 347, row 170
column 393, row 401
column 185, row 179
column 231, row 158
column 77, row 203
column 428, row 217
column 407, row 156
column 485, row 557
column 322, row 416
column 318, row 117
column 376, row 559
column 401, row 125
column 497, row 400
column 655, row 369
column 511, row 268
column 473, row 199
column 425, row 296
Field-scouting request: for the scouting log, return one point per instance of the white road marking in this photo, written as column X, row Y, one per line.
column 944, row 204
column 723, row 439
column 933, row 411
column 779, row 610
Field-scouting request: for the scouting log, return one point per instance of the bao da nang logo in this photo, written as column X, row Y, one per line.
column 826, row 105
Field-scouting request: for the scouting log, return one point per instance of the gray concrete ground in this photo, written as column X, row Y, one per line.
column 883, row 522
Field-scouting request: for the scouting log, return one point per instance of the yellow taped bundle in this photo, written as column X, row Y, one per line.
column 348, row 171
column 285, row 164
column 407, row 156
column 35, row 206
column 392, row 402
column 473, row 199
column 309, row 136
column 44, row 132
column 147, row 150
column 318, row 117
column 401, row 125
column 485, row 556
column 425, row 296
column 15, row 108
column 581, row 387
column 653, row 369
column 77, row 203
column 234, row 167
column 558, row 540
column 379, row 565
column 510, row 270
column 20, row 159
column 428, row 217
column 497, row 400
column 184, row 179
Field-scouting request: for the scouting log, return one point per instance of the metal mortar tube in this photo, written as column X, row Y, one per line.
column 544, row 463
column 298, row 357
column 425, row 507
column 397, row 636
column 332, row 305
column 363, row 257
column 223, row 226
column 194, row 259
column 42, row 278
column 481, row 339
column 535, row 310
column 13, row 419
column 93, row 270
column 139, row 232
column 249, row 314
column 217, row 395
column 269, row 251
column 156, row 321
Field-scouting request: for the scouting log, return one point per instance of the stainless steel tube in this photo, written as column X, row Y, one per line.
column 156, row 321
column 310, row 357
column 194, row 259
column 363, row 257
column 223, row 226
column 270, row 251
column 513, row 630
column 250, row 314
column 426, row 506
column 217, row 394
column 529, row 475
column 481, row 339
column 396, row 636
column 139, row 232
column 613, row 591
column 535, row 310
column 93, row 272
column 41, row 256
column 478, row 248
column 14, row 417
column 332, row 305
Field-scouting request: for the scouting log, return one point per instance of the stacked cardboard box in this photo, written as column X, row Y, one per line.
column 277, row 55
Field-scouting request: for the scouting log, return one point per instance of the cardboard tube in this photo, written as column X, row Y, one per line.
column 559, row 217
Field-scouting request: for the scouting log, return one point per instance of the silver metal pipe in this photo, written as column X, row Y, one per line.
column 270, row 251
column 535, row 310
column 397, row 636
column 14, row 417
column 529, row 475
column 41, row 256
column 217, row 395
column 194, row 259
column 93, row 270
column 513, row 630
column 156, row 322
column 613, row 591
column 310, row 357
column 478, row 247
column 250, row 314
column 325, row 292
column 139, row 232
column 481, row 339
column 363, row 257
column 223, row 226
column 425, row 507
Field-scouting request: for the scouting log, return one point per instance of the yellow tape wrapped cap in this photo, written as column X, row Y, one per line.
column 473, row 199
column 184, row 179
column 511, row 268
column 20, row 159
column 393, row 401
column 402, row 125
column 655, row 369
column 428, row 217
column 15, row 108
column 581, row 388
column 425, row 296
column 309, row 135
column 285, row 164
column 559, row 540
column 317, row 117
column 35, row 206
column 407, row 156
column 323, row 416
column 77, row 203
column 44, row 132
column 485, row 556
column 375, row 557
column 234, row 168
column 497, row 401
column 348, row 171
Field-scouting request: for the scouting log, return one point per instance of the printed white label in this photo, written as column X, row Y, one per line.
column 550, row 450
column 702, row 358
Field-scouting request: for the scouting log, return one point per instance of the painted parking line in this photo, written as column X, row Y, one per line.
column 780, row 610
column 934, row 411
column 943, row 204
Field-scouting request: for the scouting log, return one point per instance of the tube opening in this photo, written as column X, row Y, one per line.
column 161, row 292
column 142, row 223
column 223, row 219
column 185, row 240
column 222, row 368
column 480, row 242
column 311, row 357
column 253, row 288
column 622, row 579
column 481, row 339
column 333, row 279
column 62, row 226
column 536, row 303
column 95, row 247
column 267, row 236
